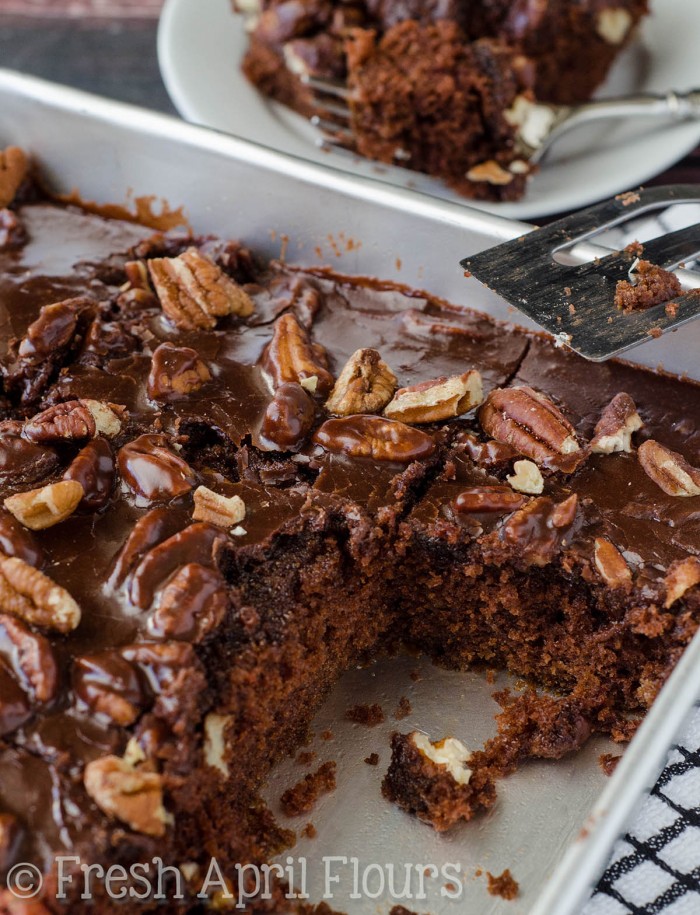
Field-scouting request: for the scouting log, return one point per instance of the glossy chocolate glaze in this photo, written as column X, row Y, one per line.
column 212, row 432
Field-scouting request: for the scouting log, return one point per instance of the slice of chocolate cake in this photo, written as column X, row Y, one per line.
column 423, row 98
column 224, row 482
column 436, row 780
column 427, row 91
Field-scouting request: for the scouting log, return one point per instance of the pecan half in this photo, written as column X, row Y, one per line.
column 52, row 331
column 291, row 356
column 196, row 543
column 613, row 431
column 16, row 540
column 288, row 419
column 611, row 564
column 11, row 834
column 538, row 530
column 216, row 509
column 14, row 167
column 681, row 577
column 74, row 420
column 132, row 795
column 152, row 470
column 22, row 461
column 433, row 401
column 31, row 658
column 28, row 593
column 154, row 527
column 191, row 605
column 12, row 232
column 375, row 437
column 669, row 470
column 94, row 469
column 365, row 385
column 176, row 372
column 68, row 421
column 531, row 423
column 500, row 499
column 28, row 672
column 38, row 509
column 527, row 478
column 109, row 685
column 193, row 291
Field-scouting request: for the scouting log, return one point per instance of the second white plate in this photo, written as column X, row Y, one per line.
column 201, row 45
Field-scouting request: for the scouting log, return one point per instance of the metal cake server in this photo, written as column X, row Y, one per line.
column 574, row 302
column 538, row 124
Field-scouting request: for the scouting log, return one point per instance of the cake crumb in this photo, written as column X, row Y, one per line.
column 305, row 757
column 628, row 198
column 372, row 759
column 369, row 715
column 478, row 872
column 671, row 309
column 655, row 332
column 327, row 735
column 608, row 762
column 652, row 285
column 403, row 709
column 504, row 885
column 401, row 910
column 309, row 831
column 303, row 796
column 416, row 676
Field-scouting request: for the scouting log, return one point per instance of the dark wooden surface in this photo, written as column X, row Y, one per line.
column 109, row 47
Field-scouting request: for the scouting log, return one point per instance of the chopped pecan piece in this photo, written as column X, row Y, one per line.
column 527, row 478
column 434, row 401
column 94, row 469
column 109, row 685
column 680, row 578
column 14, row 167
column 538, row 530
column 34, row 597
column 288, row 419
column 611, row 564
column 152, row 470
column 365, row 385
column 531, row 423
column 44, row 507
column 669, row 470
column 486, row 454
column 291, row 356
column 132, row 795
column 216, row 509
column 500, row 499
column 191, row 605
column 614, row 429
column 176, row 371
column 193, row 291
column 375, row 437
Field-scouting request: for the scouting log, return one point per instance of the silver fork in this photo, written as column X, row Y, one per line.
column 539, row 125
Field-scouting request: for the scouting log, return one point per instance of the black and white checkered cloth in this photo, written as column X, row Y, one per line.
column 655, row 866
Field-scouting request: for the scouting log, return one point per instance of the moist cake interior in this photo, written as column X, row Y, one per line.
column 211, row 628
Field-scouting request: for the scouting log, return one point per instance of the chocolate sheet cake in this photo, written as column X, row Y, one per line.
column 439, row 87
column 225, row 481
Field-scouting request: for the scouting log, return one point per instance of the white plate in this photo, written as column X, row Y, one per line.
column 200, row 47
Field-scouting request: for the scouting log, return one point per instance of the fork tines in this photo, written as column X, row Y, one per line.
column 333, row 118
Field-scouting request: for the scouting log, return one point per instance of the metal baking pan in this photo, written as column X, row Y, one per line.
column 554, row 823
